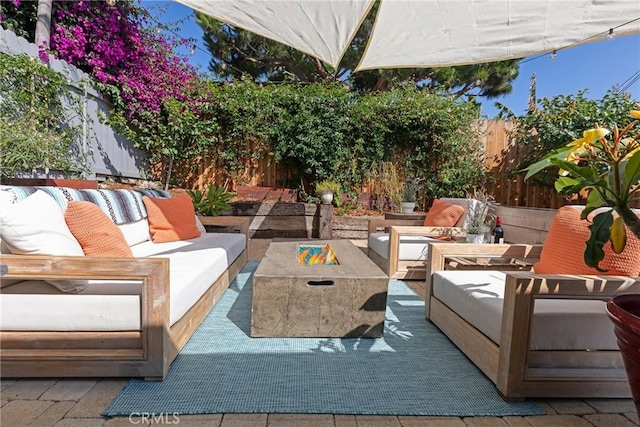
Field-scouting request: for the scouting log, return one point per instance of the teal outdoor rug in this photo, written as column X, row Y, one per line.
column 413, row 370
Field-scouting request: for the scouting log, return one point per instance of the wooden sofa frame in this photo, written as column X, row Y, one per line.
column 405, row 269
column 146, row 353
column 517, row 371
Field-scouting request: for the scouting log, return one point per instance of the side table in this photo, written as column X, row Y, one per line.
column 487, row 263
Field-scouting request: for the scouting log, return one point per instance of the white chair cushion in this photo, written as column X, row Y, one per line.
column 478, row 296
column 412, row 248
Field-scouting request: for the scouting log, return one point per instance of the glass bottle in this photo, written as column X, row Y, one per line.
column 498, row 232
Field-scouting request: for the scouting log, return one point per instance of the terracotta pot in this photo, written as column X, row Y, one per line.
column 624, row 311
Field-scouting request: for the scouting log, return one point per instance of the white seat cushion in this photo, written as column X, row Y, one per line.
column 412, row 248
column 195, row 264
column 115, row 306
column 478, row 296
column 37, row 306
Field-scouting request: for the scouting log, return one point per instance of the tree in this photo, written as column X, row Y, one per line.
column 238, row 52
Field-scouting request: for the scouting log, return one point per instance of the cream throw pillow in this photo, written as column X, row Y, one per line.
column 36, row 226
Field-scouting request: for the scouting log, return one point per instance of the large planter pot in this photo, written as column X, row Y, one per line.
column 624, row 311
column 407, row 207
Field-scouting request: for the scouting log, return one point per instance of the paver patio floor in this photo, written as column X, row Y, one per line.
column 79, row 402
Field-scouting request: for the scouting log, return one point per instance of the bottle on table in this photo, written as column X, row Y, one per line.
column 498, row 232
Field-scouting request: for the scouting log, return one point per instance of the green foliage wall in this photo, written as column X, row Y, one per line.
column 562, row 119
column 324, row 131
column 36, row 113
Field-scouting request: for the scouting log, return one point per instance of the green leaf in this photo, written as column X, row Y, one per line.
column 594, row 201
column 546, row 162
column 564, row 182
column 576, row 171
column 632, row 172
column 600, row 233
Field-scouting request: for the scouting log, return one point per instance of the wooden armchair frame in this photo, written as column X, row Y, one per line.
column 517, row 371
column 402, row 269
column 145, row 353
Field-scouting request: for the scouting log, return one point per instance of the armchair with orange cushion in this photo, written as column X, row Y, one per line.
column 543, row 333
column 399, row 247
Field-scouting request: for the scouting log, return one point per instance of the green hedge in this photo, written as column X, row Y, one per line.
column 326, row 132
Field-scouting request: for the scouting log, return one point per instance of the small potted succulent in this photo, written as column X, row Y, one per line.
column 326, row 189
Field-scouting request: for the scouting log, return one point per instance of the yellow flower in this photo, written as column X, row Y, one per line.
column 635, row 114
column 588, row 138
column 581, row 145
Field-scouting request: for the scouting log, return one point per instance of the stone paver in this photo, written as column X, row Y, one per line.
column 69, row 390
column 300, row 420
column 612, row 406
column 27, row 389
column 558, row 421
column 546, row 407
column 97, row 399
column 406, row 421
column 345, row 421
column 571, row 407
column 516, row 421
column 608, row 420
column 485, row 422
column 52, row 414
column 244, row 420
column 22, row 412
column 6, row 383
column 84, row 422
column 632, row 416
column 205, row 420
column 377, row 421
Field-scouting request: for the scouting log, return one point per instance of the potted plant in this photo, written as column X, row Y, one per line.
column 326, row 189
column 477, row 228
column 607, row 165
column 212, row 201
column 408, row 203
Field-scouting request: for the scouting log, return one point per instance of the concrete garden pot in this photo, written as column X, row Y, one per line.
column 407, row 207
column 624, row 311
column 326, row 198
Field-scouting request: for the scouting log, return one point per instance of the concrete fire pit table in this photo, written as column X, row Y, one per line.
column 294, row 299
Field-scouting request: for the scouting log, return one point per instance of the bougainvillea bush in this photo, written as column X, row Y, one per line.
column 160, row 101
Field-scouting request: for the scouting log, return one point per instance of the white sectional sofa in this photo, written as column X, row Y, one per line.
column 127, row 316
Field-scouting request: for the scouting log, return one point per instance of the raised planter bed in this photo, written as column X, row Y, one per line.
column 280, row 219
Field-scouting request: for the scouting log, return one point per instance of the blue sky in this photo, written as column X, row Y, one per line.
column 596, row 66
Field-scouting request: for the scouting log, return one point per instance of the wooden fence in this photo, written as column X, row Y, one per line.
column 502, row 155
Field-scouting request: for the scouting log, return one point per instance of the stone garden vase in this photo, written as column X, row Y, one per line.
column 624, row 311
column 326, row 198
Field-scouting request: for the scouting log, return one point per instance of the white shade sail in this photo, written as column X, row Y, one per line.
column 320, row 28
column 429, row 33
column 433, row 33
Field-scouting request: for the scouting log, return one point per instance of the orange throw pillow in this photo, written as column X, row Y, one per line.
column 171, row 219
column 443, row 214
column 93, row 229
column 563, row 250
